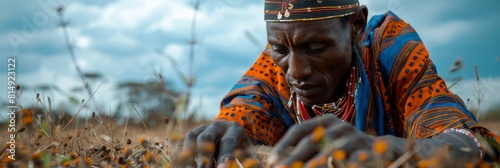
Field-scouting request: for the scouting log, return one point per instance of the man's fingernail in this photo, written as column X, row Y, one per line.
column 222, row 165
column 273, row 159
column 223, row 162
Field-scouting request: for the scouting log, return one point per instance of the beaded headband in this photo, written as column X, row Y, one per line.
column 307, row 10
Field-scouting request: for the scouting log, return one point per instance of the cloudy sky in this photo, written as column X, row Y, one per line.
column 118, row 39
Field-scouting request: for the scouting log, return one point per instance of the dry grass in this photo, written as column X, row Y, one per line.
column 98, row 141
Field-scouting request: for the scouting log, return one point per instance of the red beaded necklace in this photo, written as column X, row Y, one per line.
column 342, row 108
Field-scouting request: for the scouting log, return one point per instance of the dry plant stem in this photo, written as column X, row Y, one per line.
column 111, row 130
column 193, row 41
column 142, row 120
column 239, row 163
column 404, row 158
column 96, row 136
column 479, row 95
column 125, row 129
column 74, row 116
column 48, row 118
column 164, row 155
column 72, row 54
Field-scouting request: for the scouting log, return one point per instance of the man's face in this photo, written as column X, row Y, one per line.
column 315, row 56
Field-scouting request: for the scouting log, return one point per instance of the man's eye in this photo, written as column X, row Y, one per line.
column 316, row 47
column 279, row 49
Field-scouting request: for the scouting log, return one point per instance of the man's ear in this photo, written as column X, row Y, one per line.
column 358, row 22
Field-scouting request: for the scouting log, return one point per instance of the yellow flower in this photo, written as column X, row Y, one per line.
column 249, row 163
column 380, row 147
column 339, row 155
column 318, row 134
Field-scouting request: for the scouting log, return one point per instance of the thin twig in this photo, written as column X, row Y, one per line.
column 478, row 92
column 74, row 116
column 142, row 120
column 72, row 54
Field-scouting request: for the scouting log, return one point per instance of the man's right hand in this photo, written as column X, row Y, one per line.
column 225, row 136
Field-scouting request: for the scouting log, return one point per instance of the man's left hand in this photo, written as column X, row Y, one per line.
column 315, row 140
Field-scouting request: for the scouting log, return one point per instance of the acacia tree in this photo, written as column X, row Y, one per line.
column 153, row 100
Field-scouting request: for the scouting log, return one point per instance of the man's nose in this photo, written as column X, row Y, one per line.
column 299, row 66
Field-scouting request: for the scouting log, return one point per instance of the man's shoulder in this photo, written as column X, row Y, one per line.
column 389, row 38
column 387, row 28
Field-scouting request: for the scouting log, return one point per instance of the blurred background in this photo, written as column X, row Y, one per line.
column 138, row 52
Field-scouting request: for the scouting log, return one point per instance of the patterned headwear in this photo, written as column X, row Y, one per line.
column 307, row 10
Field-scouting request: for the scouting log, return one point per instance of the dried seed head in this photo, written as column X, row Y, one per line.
column 77, row 160
column 204, row 160
column 165, row 120
column 121, row 161
column 185, row 154
column 93, row 114
column 208, row 147
column 21, row 130
column 37, row 155
column 297, row 164
column 427, row 163
column 66, row 163
column 380, row 147
column 129, row 141
column 318, row 162
column 318, row 134
column 363, row 156
column 18, row 87
column 103, row 148
column 126, row 152
column 176, row 137
column 251, row 163
column 28, row 118
column 73, row 154
column 89, row 160
column 144, row 142
column 148, row 157
column 352, row 165
column 485, row 165
column 339, row 155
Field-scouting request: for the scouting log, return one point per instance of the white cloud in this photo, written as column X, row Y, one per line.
column 176, row 51
column 175, row 19
column 129, row 14
column 444, row 33
column 83, row 42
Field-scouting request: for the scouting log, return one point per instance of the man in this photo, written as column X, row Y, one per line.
column 326, row 67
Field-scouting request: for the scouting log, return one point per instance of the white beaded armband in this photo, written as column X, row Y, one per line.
column 468, row 133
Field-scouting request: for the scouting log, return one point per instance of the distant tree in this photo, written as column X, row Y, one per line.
column 153, row 100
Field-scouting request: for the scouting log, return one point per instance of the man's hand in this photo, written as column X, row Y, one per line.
column 216, row 142
column 313, row 144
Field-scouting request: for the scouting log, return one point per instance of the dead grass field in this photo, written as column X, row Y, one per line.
column 100, row 142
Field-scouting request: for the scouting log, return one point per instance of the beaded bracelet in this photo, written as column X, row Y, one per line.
column 464, row 131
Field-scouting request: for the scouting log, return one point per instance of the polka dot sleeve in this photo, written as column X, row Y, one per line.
column 258, row 102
